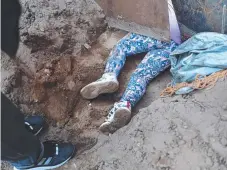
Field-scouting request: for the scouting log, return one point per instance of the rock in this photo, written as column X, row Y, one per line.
column 87, row 46
column 47, row 71
column 71, row 84
column 185, row 127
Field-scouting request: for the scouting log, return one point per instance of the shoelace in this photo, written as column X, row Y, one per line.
column 112, row 111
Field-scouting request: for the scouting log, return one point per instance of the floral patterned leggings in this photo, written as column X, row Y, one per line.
column 155, row 61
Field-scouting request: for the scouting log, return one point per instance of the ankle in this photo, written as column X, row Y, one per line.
column 124, row 103
column 110, row 74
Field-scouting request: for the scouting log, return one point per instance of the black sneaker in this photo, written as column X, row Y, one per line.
column 55, row 155
column 34, row 124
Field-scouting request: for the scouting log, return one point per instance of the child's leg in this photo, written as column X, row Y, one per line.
column 127, row 46
column 154, row 62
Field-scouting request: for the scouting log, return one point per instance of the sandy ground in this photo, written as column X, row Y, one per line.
column 64, row 46
column 181, row 132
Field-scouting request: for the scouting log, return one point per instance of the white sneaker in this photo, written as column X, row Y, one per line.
column 106, row 84
column 118, row 117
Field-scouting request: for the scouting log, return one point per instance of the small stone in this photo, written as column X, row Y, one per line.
column 42, row 29
column 87, row 46
column 47, row 71
column 89, row 104
column 213, row 140
column 71, row 84
column 58, row 124
column 185, row 126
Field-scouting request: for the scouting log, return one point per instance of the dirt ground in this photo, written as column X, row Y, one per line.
column 64, row 46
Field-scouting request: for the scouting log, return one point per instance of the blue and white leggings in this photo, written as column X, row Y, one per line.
column 155, row 61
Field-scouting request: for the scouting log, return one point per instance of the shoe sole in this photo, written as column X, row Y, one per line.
column 121, row 118
column 93, row 90
column 49, row 167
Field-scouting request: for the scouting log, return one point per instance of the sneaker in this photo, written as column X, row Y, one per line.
column 118, row 117
column 54, row 156
column 34, row 124
column 106, row 84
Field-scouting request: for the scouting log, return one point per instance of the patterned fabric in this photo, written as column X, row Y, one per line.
column 156, row 61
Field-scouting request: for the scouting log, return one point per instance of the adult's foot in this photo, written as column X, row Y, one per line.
column 54, row 156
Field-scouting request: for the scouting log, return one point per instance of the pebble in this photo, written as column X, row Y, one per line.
column 87, row 46
column 47, row 71
column 42, row 29
column 213, row 140
column 185, row 127
column 71, row 84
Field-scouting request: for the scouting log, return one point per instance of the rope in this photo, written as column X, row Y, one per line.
column 200, row 82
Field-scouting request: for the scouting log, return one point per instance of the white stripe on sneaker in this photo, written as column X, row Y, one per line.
column 48, row 161
column 42, row 161
column 46, row 167
column 29, row 125
column 56, row 149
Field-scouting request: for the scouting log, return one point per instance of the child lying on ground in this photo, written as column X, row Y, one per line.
column 155, row 61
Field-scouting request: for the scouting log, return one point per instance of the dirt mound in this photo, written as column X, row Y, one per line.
column 56, row 54
column 54, row 91
column 182, row 132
